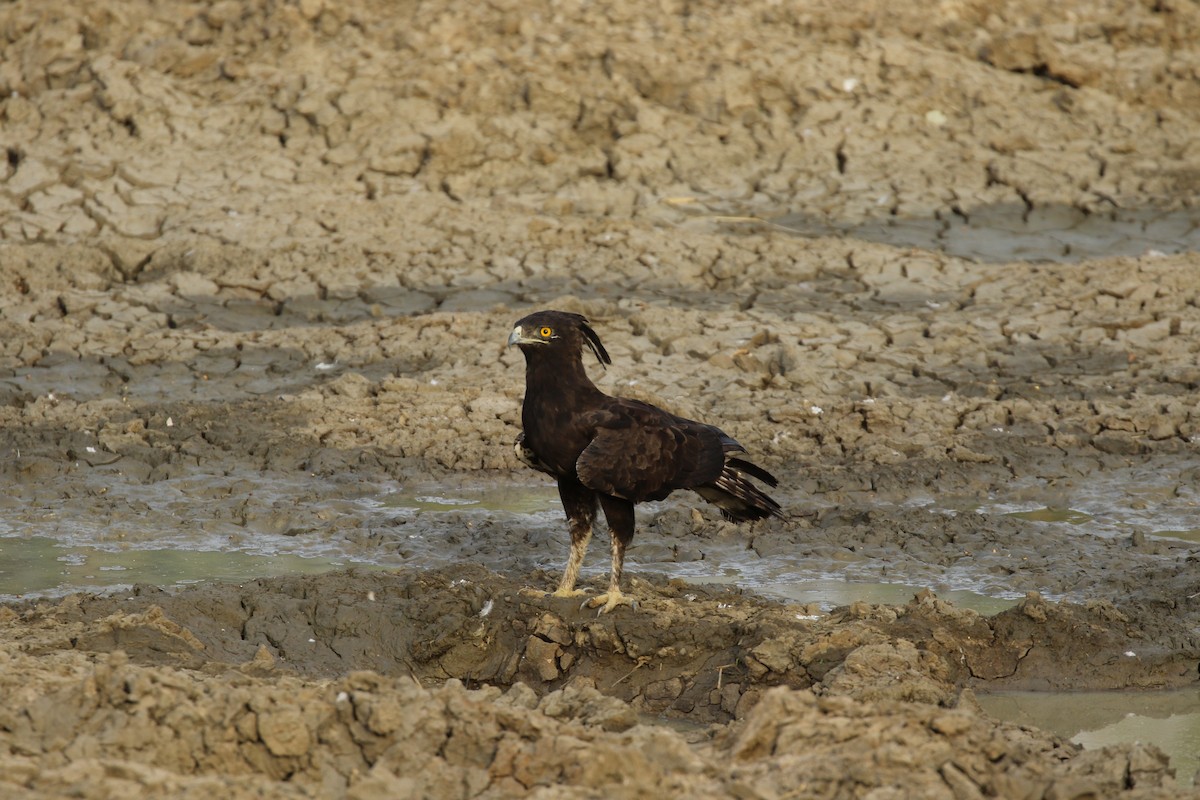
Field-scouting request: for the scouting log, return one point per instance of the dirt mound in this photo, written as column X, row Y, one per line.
column 112, row 727
column 688, row 649
column 296, row 686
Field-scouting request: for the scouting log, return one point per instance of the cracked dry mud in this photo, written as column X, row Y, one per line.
column 260, row 260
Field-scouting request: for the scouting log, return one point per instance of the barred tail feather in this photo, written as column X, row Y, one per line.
column 753, row 470
column 738, row 498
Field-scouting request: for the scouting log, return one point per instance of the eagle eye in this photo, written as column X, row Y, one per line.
column 545, row 332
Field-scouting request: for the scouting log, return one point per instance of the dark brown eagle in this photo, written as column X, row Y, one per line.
column 615, row 451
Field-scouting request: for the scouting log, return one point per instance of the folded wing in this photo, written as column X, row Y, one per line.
column 643, row 453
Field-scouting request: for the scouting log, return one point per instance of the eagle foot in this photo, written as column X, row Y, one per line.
column 608, row 601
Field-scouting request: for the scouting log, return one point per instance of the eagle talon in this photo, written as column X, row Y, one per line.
column 606, row 608
column 608, row 601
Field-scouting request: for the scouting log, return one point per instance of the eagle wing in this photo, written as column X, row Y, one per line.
column 640, row 452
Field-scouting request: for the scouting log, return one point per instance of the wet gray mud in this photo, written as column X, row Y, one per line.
column 265, row 534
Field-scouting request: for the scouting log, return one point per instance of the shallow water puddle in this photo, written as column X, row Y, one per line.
column 171, row 531
column 1156, row 498
column 1068, row 515
column 829, row 593
column 1187, row 536
column 1169, row 720
column 36, row 565
column 513, row 500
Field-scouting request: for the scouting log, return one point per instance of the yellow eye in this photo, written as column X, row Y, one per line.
column 545, row 332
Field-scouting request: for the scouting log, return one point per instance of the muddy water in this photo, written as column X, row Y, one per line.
column 1151, row 498
column 39, row 566
column 1169, row 720
column 173, row 531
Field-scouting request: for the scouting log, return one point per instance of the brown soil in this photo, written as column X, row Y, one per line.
column 260, row 259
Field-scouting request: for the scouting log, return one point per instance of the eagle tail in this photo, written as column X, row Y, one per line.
column 753, row 470
column 738, row 498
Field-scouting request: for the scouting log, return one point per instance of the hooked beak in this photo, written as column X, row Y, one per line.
column 518, row 337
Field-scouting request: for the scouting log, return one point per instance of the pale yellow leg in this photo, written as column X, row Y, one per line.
column 579, row 542
column 614, row 596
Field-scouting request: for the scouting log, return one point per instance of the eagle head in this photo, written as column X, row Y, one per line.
column 559, row 330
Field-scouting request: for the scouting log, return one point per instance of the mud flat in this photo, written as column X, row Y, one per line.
column 460, row 682
column 934, row 266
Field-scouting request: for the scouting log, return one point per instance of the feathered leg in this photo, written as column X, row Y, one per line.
column 579, row 503
column 619, row 515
